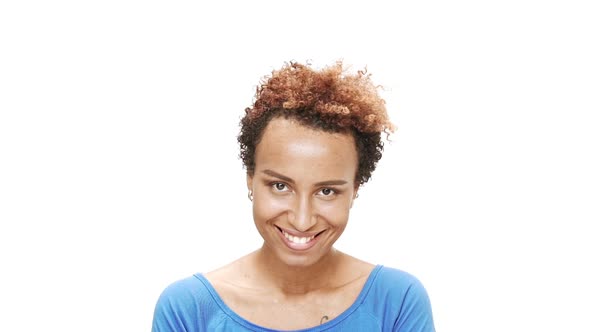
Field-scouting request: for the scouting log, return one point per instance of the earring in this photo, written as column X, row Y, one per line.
column 250, row 196
column 357, row 195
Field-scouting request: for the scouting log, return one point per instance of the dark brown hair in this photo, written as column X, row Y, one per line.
column 330, row 100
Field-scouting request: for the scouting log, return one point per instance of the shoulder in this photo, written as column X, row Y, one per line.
column 182, row 305
column 187, row 291
column 392, row 279
column 403, row 297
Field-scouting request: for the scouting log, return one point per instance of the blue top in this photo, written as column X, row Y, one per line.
column 391, row 300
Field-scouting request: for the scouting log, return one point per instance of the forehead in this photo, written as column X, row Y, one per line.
column 291, row 147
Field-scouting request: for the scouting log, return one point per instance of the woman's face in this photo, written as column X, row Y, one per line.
column 303, row 188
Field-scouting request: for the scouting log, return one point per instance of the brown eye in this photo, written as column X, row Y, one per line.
column 280, row 186
column 327, row 191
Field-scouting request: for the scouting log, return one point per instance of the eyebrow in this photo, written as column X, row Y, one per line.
column 288, row 179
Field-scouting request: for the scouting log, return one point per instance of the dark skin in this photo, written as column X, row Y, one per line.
column 303, row 188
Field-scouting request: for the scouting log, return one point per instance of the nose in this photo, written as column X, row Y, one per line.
column 302, row 216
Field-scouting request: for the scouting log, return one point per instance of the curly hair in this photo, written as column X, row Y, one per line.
column 330, row 100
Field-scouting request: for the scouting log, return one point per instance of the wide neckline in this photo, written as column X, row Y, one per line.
column 337, row 320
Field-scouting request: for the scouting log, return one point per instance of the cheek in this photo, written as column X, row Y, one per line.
column 268, row 207
column 335, row 213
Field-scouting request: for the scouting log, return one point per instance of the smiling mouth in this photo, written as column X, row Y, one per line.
column 297, row 239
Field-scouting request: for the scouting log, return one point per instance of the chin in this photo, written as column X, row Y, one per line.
column 302, row 260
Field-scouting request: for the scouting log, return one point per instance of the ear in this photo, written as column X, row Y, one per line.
column 355, row 194
column 249, row 180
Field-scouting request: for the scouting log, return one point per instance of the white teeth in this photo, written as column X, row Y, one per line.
column 296, row 239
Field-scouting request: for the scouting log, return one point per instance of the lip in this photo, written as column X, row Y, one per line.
column 299, row 246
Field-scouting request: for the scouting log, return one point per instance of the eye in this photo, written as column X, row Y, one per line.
column 327, row 192
column 279, row 186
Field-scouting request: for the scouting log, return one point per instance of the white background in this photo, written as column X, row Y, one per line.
column 118, row 156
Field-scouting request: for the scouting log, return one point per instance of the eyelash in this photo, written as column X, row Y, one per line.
column 274, row 185
column 333, row 191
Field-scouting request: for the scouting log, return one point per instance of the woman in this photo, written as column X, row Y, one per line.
column 309, row 141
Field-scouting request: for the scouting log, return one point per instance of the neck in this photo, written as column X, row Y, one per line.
column 297, row 280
